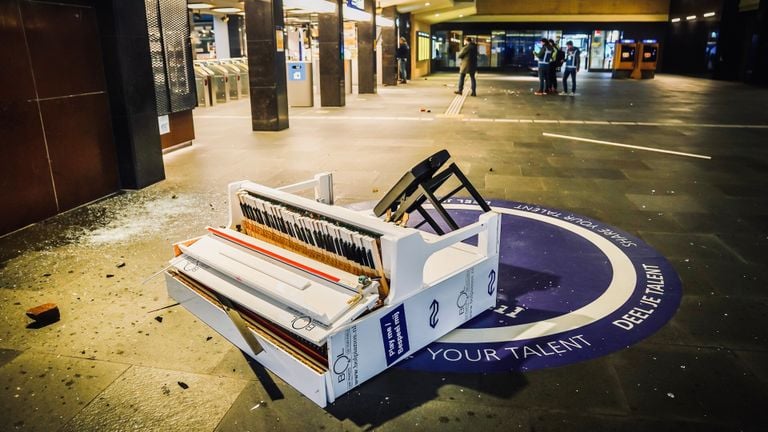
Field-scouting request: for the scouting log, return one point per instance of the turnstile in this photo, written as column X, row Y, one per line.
column 203, row 85
column 242, row 65
column 235, row 88
column 217, row 81
column 229, row 79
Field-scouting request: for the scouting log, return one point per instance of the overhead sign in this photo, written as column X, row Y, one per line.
column 570, row 288
column 356, row 4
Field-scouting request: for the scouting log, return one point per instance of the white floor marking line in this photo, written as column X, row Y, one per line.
column 693, row 155
column 458, row 102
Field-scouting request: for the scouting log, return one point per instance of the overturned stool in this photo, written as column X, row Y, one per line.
column 420, row 185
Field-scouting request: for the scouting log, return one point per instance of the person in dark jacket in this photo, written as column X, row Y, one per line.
column 572, row 65
column 544, row 56
column 554, row 64
column 402, row 54
column 468, row 56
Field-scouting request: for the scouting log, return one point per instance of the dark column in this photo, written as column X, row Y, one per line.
column 388, row 49
column 235, row 37
column 127, row 63
column 266, row 64
column 366, row 52
column 761, row 68
column 331, row 37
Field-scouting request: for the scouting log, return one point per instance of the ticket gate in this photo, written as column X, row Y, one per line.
column 235, row 87
column 217, row 81
column 242, row 65
column 624, row 58
column 245, row 83
column 203, row 86
column 227, row 77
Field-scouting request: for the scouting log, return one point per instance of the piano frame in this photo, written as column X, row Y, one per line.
column 436, row 283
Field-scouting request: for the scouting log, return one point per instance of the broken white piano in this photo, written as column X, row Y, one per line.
column 327, row 297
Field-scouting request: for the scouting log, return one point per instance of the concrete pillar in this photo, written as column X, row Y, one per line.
column 265, row 42
column 331, row 41
column 389, row 49
column 221, row 36
column 366, row 52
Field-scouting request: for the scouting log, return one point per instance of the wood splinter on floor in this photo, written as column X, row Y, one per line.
column 44, row 314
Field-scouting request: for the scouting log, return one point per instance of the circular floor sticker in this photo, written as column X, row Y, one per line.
column 570, row 289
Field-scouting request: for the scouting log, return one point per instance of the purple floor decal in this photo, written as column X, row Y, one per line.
column 569, row 289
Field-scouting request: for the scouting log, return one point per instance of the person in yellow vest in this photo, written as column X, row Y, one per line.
column 572, row 65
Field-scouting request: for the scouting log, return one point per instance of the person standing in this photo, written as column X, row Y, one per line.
column 572, row 65
column 468, row 56
column 554, row 65
column 402, row 54
column 544, row 56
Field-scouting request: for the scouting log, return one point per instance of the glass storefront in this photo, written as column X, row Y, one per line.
column 514, row 50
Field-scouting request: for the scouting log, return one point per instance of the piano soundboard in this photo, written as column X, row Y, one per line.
column 305, row 287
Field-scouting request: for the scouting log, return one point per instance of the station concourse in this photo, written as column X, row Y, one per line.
column 671, row 169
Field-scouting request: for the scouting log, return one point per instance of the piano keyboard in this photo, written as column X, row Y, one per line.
column 313, row 236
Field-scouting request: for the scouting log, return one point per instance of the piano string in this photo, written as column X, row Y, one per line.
column 314, row 236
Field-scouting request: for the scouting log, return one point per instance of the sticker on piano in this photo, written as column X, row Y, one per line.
column 394, row 333
column 569, row 288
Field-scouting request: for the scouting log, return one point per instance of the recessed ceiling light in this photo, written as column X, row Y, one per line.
column 690, row 17
column 226, row 9
column 675, row 19
column 199, row 6
column 427, row 4
column 709, row 14
column 461, row 15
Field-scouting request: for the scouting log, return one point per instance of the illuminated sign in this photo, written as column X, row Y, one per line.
column 423, row 46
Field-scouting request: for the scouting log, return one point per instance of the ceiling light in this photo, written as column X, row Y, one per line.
column 690, row 17
column 675, row 19
column 461, row 15
column 437, row 14
column 427, row 4
column 226, row 9
column 709, row 14
column 199, row 6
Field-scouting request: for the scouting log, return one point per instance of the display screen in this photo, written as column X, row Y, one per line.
column 627, row 53
column 650, row 52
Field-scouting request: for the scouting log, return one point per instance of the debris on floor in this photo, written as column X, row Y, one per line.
column 182, row 384
column 44, row 314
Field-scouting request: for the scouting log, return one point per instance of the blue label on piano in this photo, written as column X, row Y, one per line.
column 394, row 333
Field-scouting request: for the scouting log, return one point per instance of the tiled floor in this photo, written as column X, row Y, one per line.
column 119, row 360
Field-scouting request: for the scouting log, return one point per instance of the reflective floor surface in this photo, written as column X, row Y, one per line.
column 121, row 359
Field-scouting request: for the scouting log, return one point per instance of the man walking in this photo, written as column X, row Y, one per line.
column 468, row 56
column 572, row 64
column 402, row 54
column 544, row 56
